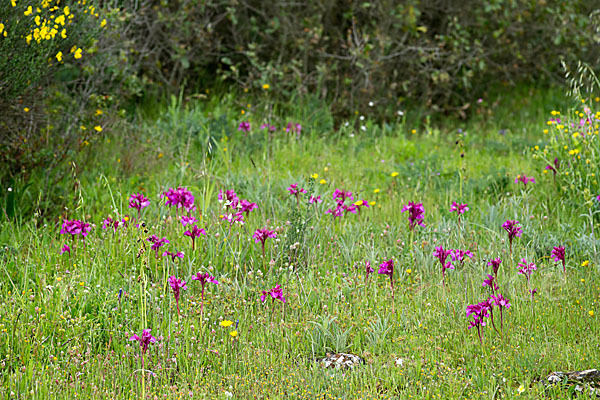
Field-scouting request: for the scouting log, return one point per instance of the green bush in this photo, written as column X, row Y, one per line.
column 439, row 55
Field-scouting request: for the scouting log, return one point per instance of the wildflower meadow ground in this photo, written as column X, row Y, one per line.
column 458, row 262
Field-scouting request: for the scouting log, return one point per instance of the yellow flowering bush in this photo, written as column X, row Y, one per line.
column 36, row 36
column 47, row 97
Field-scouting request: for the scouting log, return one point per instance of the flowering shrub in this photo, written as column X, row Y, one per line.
column 36, row 37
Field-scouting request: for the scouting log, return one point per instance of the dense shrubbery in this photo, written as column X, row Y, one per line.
column 437, row 53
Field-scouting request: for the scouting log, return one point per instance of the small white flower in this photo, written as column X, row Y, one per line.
column 10, row 189
column 400, row 112
column 362, row 118
column 363, row 128
column 399, row 362
column 371, row 104
column 228, row 394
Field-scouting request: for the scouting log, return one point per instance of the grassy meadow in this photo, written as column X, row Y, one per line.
column 67, row 317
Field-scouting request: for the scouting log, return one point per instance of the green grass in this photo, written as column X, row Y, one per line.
column 64, row 331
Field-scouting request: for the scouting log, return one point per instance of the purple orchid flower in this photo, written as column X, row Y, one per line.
column 270, row 128
column 460, row 255
column 368, row 270
column 157, row 243
column 114, row 223
column 524, row 179
column 173, row 255
column 442, row 255
column 490, row 282
column 293, row 189
column 246, row 206
column 233, row 218
column 75, row 227
column 554, row 168
column 479, row 312
column 185, row 220
column 387, row 268
column 314, row 200
column 501, row 302
column 194, row 233
column 276, row 293
column 177, row 284
column 415, row 214
column 138, row 201
column 204, row 279
column 244, row 126
column 180, row 198
column 261, row 235
column 459, row 208
column 229, row 199
column 558, row 255
column 294, row 128
column 513, row 230
column 341, row 196
column 65, row 249
column 495, row 264
column 145, row 340
column 526, row 269
column 338, row 211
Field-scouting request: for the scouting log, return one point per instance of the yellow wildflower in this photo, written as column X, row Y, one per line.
column 226, row 323
column 78, row 54
column 98, row 128
column 29, row 11
column 322, row 181
column 394, row 174
column 266, row 86
column 59, row 56
column 233, row 334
